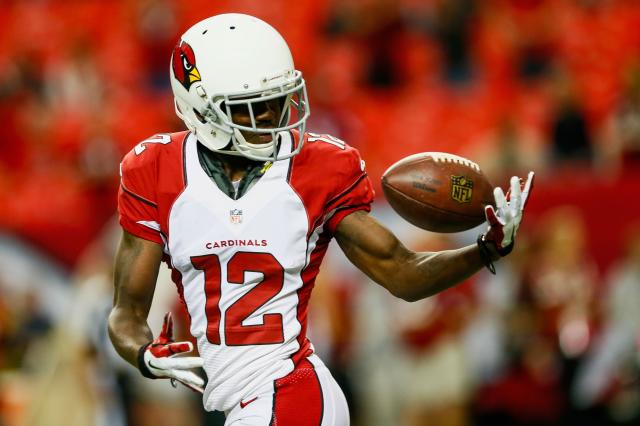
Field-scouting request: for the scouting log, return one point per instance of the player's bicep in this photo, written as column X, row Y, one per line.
column 136, row 272
column 371, row 247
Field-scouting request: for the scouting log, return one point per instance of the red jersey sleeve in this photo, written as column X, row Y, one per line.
column 137, row 200
column 356, row 190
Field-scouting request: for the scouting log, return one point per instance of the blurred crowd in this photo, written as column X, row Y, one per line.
column 548, row 85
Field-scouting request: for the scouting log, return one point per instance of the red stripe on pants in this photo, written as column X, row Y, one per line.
column 298, row 400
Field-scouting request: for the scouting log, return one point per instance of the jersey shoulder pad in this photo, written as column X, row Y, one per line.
column 326, row 151
column 139, row 168
column 330, row 177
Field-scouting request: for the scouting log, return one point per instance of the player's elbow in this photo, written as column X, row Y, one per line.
column 404, row 292
column 412, row 289
column 112, row 322
column 412, row 295
column 117, row 321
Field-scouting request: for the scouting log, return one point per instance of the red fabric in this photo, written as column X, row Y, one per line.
column 176, row 277
column 298, row 398
column 308, row 276
column 164, row 345
column 146, row 194
column 344, row 187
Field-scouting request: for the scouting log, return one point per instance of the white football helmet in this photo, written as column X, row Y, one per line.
column 236, row 60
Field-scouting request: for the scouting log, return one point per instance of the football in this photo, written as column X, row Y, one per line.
column 438, row 192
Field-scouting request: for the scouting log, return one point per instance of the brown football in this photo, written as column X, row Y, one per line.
column 437, row 191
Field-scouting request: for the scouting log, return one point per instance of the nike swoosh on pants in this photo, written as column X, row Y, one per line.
column 244, row 404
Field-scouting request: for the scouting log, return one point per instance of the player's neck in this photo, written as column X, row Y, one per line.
column 235, row 167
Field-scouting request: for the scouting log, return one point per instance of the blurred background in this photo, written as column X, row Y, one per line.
column 547, row 85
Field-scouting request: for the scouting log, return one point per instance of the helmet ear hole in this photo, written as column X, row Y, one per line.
column 199, row 116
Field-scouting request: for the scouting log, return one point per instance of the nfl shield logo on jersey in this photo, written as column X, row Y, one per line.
column 235, row 216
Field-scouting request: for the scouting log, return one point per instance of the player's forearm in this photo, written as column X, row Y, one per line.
column 406, row 274
column 421, row 275
column 128, row 331
column 136, row 271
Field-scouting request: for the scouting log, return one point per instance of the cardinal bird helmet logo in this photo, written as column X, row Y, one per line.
column 183, row 62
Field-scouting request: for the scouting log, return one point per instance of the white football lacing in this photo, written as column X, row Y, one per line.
column 451, row 158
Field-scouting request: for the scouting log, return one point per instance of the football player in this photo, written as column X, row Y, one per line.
column 242, row 207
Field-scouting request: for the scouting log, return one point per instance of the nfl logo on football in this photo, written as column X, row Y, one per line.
column 235, row 216
column 461, row 189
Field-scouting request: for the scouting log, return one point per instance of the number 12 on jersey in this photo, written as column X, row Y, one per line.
column 236, row 334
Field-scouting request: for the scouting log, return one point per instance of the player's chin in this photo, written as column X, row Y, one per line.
column 258, row 138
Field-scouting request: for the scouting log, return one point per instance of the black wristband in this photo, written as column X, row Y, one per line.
column 485, row 254
column 506, row 250
column 142, row 366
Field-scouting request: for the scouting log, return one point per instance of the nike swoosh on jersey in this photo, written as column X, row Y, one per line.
column 244, row 404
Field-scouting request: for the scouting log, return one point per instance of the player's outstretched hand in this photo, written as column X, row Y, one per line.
column 158, row 359
column 505, row 219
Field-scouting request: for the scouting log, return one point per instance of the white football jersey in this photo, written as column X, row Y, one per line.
column 244, row 268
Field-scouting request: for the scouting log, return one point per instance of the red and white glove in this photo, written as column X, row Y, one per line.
column 158, row 359
column 505, row 219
